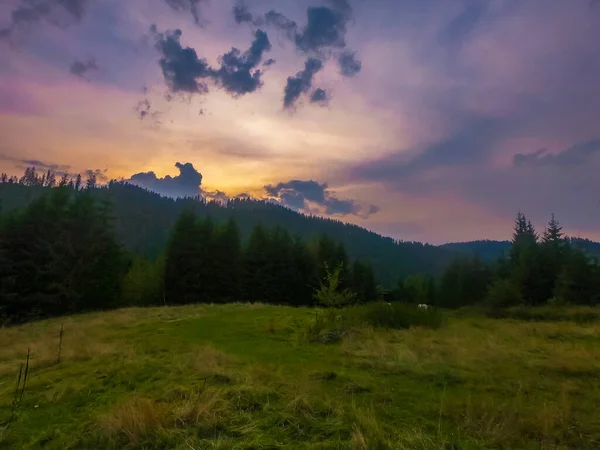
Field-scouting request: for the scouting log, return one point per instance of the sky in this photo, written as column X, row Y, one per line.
column 429, row 120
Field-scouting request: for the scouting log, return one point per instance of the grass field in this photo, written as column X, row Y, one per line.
column 245, row 377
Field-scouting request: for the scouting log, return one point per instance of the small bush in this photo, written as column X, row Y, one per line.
column 503, row 294
column 332, row 325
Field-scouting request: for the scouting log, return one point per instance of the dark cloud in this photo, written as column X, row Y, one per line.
column 323, row 36
column 59, row 169
column 187, row 184
column 191, row 6
column 216, row 196
column 303, row 196
column 185, row 72
column 320, row 96
column 301, row 83
column 241, row 13
column 238, row 74
column 61, row 13
column 349, row 65
column 269, row 62
column 578, row 154
column 99, row 174
column 471, row 144
column 326, row 27
column 80, row 68
column 180, row 66
column 282, row 23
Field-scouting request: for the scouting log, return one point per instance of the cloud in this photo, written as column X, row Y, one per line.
column 320, row 96
column 326, row 27
column 349, row 65
column 99, row 174
column 61, row 13
column 191, row 6
column 313, row 197
column 216, row 196
column 59, row 169
column 185, row 72
column 180, row 66
column 323, row 36
column 241, row 13
column 238, row 74
column 471, row 143
column 301, row 83
column 282, row 23
column 80, row 68
column 187, row 184
column 578, row 154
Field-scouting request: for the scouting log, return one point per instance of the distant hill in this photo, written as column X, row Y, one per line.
column 486, row 249
column 491, row 250
column 144, row 220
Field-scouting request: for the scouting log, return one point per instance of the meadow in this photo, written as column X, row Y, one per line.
column 252, row 377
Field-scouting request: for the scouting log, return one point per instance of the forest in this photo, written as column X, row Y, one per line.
column 63, row 250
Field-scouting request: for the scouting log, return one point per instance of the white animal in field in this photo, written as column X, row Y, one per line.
column 423, row 306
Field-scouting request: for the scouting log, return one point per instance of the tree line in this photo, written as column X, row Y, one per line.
column 61, row 255
column 536, row 270
column 144, row 219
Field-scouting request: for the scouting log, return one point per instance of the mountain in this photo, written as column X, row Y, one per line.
column 491, row 250
column 144, row 219
column 488, row 250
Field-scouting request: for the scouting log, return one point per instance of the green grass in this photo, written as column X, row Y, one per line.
column 246, row 377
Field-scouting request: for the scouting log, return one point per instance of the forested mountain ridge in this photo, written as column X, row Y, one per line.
column 489, row 250
column 143, row 221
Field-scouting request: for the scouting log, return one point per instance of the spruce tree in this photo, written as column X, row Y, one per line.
column 256, row 266
column 227, row 259
column 181, row 269
column 578, row 280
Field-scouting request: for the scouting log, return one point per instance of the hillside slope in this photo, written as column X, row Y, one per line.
column 144, row 220
column 242, row 377
column 491, row 250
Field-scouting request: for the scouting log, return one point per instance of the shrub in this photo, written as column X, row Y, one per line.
column 502, row 294
column 330, row 294
column 331, row 325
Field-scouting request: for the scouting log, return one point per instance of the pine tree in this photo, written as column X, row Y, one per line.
column 181, row 279
column 553, row 233
column 363, row 282
column 464, row 282
column 227, row 259
column 77, row 185
column 60, row 256
column 256, row 266
column 578, row 280
column 204, row 258
column 91, row 181
column 304, row 278
column 64, row 181
column 554, row 251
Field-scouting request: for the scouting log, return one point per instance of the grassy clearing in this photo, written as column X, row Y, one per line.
column 245, row 377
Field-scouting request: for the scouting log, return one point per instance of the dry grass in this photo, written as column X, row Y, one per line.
column 134, row 419
column 239, row 377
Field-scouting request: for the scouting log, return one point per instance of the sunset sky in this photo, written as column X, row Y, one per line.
column 431, row 120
